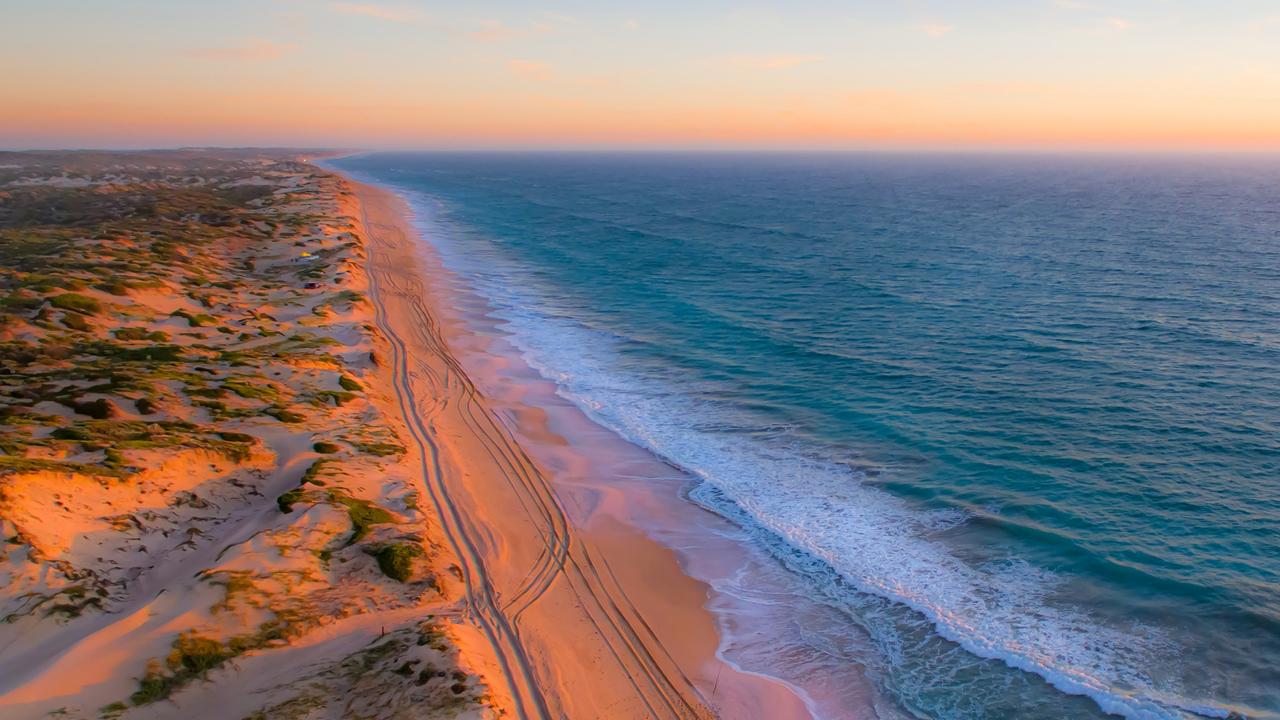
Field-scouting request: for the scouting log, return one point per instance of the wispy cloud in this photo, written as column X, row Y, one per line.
column 770, row 62
column 1099, row 22
column 936, row 29
column 530, row 70
column 251, row 50
column 492, row 31
column 391, row 13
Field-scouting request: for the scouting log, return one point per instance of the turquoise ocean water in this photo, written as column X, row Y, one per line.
column 1016, row 417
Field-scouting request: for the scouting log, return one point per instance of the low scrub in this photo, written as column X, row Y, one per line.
column 396, row 560
column 75, row 302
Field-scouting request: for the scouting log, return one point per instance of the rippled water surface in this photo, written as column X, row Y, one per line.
column 1017, row 419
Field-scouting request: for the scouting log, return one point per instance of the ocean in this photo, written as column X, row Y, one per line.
column 1014, row 418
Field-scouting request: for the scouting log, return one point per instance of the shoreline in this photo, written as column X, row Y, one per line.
column 598, row 604
column 667, row 561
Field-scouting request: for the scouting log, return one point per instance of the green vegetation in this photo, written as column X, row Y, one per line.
column 120, row 435
column 114, row 287
column 98, row 409
column 74, row 302
column 286, row 501
column 245, row 389
column 312, row 475
column 363, row 515
column 137, row 333
column 76, row 322
column 284, row 415
column 381, row 449
column 396, row 560
column 339, row 398
column 80, row 333
column 193, row 656
column 197, row 320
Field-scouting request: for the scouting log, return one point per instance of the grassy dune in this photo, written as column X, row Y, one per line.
column 189, row 411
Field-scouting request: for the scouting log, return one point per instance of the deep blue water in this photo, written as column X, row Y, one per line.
column 1017, row 416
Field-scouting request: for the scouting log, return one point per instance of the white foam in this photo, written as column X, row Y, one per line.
column 795, row 502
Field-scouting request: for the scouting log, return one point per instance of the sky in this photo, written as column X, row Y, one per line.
column 1089, row 74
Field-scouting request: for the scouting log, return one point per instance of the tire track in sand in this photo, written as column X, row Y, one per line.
column 431, row 376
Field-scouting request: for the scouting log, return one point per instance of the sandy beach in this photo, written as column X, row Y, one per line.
column 338, row 489
column 567, row 592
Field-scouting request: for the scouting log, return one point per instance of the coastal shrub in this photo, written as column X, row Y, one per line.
column 153, row 687
column 196, row 655
column 396, row 560
column 191, row 657
column 76, row 321
column 236, row 437
column 339, row 398
column 363, row 515
column 381, row 449
column 250, row 391
column 15, row 303
column 9, row 464
column 286, row 501
column 349, row 383
column 197, row 320
column 284, row 415
column 98, row 409
column 70, row 433
column 75, row 302
column 326, row 448
column 113, row 458
column 154, row 353
column 137, row 333
column 114, row 287
column 145, row 406
column 312, row 475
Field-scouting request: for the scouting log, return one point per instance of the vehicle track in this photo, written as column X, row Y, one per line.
column 430, row 378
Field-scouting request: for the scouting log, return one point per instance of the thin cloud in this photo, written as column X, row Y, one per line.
column 771, row 62
column 936, row 29
column 532, row 70
column 1116, row 23
column 492, row 31
column 252, row 50
column 381, row 12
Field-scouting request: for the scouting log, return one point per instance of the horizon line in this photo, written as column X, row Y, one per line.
column 344, row 151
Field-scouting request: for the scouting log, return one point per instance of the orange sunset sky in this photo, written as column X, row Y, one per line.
column 999, row 74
